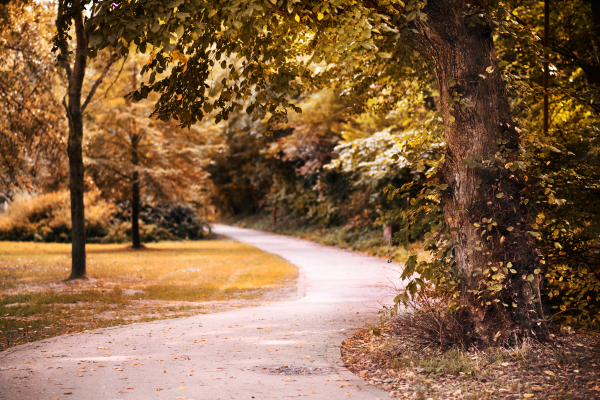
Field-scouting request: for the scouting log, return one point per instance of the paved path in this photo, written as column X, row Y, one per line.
column 229, row 355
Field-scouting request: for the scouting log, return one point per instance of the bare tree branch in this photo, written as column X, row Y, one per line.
column 111, row 61
column 117, row 77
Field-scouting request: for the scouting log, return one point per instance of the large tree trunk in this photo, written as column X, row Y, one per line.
column 135, row 197
column 75, row 152
column 466, row 68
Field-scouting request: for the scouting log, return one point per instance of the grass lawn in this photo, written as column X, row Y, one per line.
column 168, row 279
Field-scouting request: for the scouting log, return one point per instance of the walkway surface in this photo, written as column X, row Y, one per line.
column 288, row 349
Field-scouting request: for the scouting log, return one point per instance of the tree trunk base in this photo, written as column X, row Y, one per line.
column 76, row 278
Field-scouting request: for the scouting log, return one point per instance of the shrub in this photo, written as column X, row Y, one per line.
column 46, row 218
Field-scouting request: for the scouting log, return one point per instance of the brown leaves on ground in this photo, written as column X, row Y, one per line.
column 566, row 368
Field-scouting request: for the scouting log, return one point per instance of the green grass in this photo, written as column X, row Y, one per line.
column 163, row 280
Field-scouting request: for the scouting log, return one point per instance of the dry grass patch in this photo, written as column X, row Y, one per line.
column 167, row 279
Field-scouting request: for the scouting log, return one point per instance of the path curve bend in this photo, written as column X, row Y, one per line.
column 229, row 355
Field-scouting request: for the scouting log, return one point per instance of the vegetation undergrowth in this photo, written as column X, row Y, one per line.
column 167, row 279
column 385, row 356
column 367, row 238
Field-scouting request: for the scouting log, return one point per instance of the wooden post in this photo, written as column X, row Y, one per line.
column 407, row 206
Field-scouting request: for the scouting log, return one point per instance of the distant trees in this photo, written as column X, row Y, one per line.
column 129, row 156
column 31, row 131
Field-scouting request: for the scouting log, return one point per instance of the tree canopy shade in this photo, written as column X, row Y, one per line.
column 271, row 50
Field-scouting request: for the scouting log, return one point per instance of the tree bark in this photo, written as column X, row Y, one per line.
column 75, row 151
column 74, row 110
column 135, row 196
column 465, row 64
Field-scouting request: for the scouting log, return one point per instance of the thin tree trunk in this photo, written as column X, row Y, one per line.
column 479, row 125
column 74, row 109
column 75, row 151
column 135, row 198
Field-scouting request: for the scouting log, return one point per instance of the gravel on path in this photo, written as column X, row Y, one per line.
column 287, row 349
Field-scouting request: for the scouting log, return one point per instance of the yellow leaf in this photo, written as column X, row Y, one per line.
column 184, row 68
column 320, row 16
column 297, row 18
column 527, row 395
column 182, row 388
column 151, row 59
column 179, row 97
column 550, row 373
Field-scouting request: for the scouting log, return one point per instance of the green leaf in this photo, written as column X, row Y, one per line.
column 510, row 228
column 451, row 118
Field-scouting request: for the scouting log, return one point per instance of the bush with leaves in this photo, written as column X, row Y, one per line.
column 46, row 218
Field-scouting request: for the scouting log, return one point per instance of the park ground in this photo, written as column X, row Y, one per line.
column 163, row 280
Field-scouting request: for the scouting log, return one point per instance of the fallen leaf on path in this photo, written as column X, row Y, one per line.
column 137, row 364
column 182, row 388
column 550, row 373
column 130, row 388
column 159, row 389
column 527, row 395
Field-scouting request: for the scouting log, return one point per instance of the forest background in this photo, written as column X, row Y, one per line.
column 331, row 172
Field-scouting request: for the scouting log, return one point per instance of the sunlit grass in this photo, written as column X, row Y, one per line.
column 35, row 302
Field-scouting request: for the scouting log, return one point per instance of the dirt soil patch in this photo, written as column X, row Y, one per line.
column 566, row 368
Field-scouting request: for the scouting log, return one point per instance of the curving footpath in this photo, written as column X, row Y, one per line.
column 288, row 349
